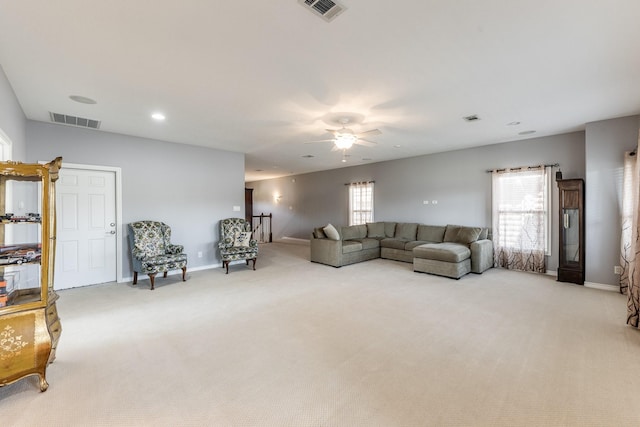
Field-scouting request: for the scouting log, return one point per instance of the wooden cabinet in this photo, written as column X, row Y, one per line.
column 29, row 323
column 571, row 236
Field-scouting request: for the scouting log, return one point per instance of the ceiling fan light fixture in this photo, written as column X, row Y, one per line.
column 345, row 141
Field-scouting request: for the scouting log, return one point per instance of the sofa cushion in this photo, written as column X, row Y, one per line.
column 413, row 243
column 406, row 230
column 331, row 232
column 448, row 252
column 393, row 243
column 468, row 235
column 349, row 246
column 368, row 243
column 431, row 233
column 375, row 229
column 354, row 232
column 318, row 233
column 390, row 229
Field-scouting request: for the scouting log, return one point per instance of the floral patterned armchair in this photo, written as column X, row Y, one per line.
column 152, row 251
column 236, row 242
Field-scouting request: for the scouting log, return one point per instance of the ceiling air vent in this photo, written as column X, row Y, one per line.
column 326, row 9
column 74, row 121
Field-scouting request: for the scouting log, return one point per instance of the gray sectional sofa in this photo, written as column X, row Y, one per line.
column 450, row 251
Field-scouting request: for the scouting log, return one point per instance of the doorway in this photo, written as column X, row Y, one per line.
column 89, row 237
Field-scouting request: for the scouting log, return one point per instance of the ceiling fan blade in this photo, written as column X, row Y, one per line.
column 320, row 140
column 366, row 143
column 370, row 132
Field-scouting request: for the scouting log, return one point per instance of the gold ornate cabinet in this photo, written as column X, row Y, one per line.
column 29, row 324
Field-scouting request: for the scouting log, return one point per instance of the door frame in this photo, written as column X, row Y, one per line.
column 118, row 196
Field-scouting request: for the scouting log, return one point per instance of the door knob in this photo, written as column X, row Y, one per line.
column 113, row 224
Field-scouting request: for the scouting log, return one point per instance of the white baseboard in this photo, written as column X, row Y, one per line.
column 294, row 240
column 602, row 286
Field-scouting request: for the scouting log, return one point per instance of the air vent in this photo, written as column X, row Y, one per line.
column 472, row 118
column 326, row 9
column 74, row 121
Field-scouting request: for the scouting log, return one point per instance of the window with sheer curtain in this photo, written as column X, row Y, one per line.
column 521, row 203
column 360, row 202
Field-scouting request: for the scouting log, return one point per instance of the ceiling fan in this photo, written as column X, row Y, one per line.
column 344, row 138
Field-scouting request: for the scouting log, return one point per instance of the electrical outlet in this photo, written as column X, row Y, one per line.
column 617, row 269
column 199, row 254
column 425, row 202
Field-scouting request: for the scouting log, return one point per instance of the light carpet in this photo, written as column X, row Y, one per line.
column 372, row 344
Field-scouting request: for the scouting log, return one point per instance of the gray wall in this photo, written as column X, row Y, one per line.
column 190, row 188
column 12, row 119
column 606, row 143
column 457, row 180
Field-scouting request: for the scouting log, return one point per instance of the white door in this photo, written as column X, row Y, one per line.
column 86, row 235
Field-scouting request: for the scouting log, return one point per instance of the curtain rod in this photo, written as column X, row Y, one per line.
column 555, row 165
column 363, row 182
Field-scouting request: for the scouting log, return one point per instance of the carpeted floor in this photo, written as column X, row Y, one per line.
column 301, row 344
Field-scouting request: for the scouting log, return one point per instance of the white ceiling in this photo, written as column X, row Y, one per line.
column 259, row 77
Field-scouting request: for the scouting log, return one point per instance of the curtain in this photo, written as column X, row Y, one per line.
column 520, row 218
column 630, row 241
column 630, row 188
column 360, row 202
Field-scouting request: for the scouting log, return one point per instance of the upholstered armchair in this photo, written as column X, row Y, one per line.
column 236, row 242
column 152, row 251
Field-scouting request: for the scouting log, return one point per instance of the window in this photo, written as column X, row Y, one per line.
column 521, row 224
column 360, row 202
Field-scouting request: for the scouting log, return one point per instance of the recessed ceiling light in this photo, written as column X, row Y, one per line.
column 158, row 116
column 82, row 99
column 259, row 170
column 472, row 118
column 526, row 132
column 397, row 146
column 513, row 123
column 308, row 156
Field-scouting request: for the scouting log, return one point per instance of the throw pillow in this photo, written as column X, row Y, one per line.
column 318, row 233
column 331, row 232
column 484, row 234
column 242, row 238
column 468, row 235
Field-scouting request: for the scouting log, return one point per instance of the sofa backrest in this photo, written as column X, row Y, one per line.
column 406, row 230
column 461, row 234
column 431, row 233
column 354, row 232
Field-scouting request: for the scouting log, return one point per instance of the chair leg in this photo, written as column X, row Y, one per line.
column 165, row 275
column 184, row 272
column 135, row 277
column 254, row 264
column 151, row 278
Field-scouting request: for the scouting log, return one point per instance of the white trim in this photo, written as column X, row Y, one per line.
column 294, row 240
column 553, row 273
column 602, row 286
column 118, row 174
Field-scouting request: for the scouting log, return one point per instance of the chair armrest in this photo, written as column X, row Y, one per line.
column 174, row 249
column 253, row 243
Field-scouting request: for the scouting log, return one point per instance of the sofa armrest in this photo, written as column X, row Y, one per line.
column 326, row 251
column 481, row 255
